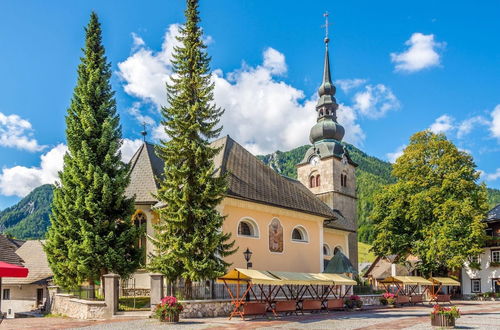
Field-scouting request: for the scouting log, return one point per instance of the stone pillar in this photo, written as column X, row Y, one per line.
column 111, row 293
column 156, row 289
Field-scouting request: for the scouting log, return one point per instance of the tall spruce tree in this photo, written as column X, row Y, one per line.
column 189, row 242
column 91, row 232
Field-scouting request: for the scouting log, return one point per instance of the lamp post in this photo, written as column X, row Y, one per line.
column 248, row 254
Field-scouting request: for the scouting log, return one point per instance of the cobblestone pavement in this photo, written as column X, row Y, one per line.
column 475, row 315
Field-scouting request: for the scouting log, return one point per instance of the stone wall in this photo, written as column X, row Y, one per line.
column 71, row 306
column 206, row 308
column 372, row 299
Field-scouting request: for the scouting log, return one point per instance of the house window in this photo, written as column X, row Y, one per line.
column 475, row 285
column 247, row 227
column 326, row 250
column 140, row 221
column 495, row 256
column 6, row 294
column 475, row 259
column 299, row 234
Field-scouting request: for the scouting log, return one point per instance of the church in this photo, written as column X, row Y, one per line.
column 287, row 224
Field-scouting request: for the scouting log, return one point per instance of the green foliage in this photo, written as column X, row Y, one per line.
column 29, row 218
column 364, row 253
column 91, row 233
column 188, row 241
column 134, row 303
column 435, row 209
column 493, row 197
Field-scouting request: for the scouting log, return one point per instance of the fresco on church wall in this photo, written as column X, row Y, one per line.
column 275, row 236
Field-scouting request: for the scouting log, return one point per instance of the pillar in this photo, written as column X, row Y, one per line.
column 156, row 289
column 111, row 293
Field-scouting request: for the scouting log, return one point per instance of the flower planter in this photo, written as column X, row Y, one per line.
column 444, row 321
column 170, row 318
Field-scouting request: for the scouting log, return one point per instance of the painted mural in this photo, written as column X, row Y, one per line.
column 275, row 236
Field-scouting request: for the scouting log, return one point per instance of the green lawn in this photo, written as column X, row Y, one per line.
column 363, row 253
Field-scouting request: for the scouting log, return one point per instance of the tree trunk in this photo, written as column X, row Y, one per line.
column 92, row 289
column 188, row 289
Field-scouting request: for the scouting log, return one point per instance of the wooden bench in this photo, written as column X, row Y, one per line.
column 335, row 304
column 418, row 298
column 286, row 306
column 311, row 305
column 254, row 308
column 443, row 298
column 401, row 300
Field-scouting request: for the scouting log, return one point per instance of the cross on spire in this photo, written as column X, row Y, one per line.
column 144, row 132
column 327, row 24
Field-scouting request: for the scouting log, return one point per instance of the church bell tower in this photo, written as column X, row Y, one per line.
column 326, row 169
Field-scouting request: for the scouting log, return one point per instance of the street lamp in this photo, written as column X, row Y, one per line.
column 248, row 254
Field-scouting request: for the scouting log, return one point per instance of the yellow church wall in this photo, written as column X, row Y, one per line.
column 336, row 238
column 296, row 256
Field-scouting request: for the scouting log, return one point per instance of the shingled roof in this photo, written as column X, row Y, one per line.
column 494, row 214
column 249, row 179
column 35, row 259
column 7, row 252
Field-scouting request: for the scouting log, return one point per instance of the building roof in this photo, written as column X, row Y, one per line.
column 249, row 179
column 382, row 267
column 494, row 214
column 8, row 252
column 35, row 260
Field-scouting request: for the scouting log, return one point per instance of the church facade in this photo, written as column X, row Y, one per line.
column 287, row 224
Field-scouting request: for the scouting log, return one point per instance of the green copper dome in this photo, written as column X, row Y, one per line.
column 326, row 129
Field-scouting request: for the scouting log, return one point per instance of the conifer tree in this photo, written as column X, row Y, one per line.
column 91, row 233
column 189, row 242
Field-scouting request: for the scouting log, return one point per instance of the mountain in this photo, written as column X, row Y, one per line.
column 29, row 218
column 371, row 175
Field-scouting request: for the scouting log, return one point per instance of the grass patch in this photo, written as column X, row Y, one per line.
column 134, row 303
column 364, row 255
column 54, row 315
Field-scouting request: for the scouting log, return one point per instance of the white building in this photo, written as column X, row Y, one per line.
column 482, row 274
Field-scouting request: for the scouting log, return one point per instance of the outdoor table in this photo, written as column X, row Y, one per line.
column 406, row 287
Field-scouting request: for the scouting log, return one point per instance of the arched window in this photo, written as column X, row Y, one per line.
column 343, row 180
column 299, row 234
column 248, row 227
column 317, row 181
column 337, row 249
column 312, row 182
column 140, row 220
column 326, row 250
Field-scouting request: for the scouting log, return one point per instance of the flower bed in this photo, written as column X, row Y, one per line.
column 388, row 299
column 444, row 316
column 353, row 302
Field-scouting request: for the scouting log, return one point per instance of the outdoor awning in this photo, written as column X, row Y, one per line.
column 292, row 278
column 248, row 275
column 283, row 278
column 337, row 279
column 406, row 280
column 444, row 281
column 9, row 270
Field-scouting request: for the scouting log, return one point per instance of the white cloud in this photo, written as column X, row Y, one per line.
column 16, row 132
column 421, row 53
column 274, row 61
column 393, row 156
column 442, row 124
column 20, row 180
column 375, row 101
column 135, row 111
column 137, row 40
column 347, row 84
column 495, row 122
column 490, row 176
column 466, row 126
column 128, row 148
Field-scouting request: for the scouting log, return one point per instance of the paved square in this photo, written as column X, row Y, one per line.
column 475, row 315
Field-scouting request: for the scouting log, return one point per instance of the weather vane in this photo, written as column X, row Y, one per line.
column 326, row 27
column 144, row 132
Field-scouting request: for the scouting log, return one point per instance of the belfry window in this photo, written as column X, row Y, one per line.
column 312, row 182
column 318, row 182
column 343, row 180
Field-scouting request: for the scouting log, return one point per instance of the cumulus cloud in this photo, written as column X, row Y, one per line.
column 375, row 101
column 20, row 180
column 16, row 132
column 262, row 111
column 442, row 124
column 421, row 53
column 347, row 84
column 466, row 126
column 495, row 122
column 128, row 148
column 393, row 156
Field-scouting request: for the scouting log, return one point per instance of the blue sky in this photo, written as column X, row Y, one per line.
column 400, row 67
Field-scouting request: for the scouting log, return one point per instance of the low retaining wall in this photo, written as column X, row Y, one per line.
column 206, row 308
column 370, row 299
column 71, row 306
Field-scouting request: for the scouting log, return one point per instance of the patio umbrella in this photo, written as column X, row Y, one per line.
column 10, row 270
column 340, row 264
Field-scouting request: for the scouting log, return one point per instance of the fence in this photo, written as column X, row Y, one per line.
column 365, row 289
column 84, row 292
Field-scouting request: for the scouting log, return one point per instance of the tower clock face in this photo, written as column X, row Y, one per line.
column 314, row 161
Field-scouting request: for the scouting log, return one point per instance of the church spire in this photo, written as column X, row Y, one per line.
column 326, row 128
